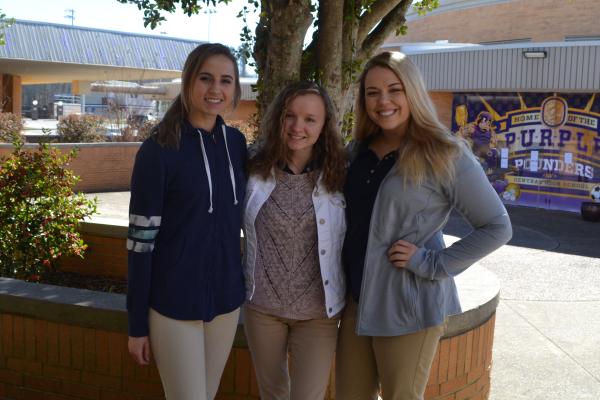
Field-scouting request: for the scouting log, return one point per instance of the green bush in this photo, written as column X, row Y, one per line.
column 81, row 129
column 39, row 212
column 10, row 127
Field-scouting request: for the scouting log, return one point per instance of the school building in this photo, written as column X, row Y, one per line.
column 520, row 80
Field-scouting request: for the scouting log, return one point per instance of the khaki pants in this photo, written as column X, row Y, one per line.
column 310, row 345
column 191, row 355
column 400, row 364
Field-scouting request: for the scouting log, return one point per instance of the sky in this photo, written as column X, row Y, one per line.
column 221, row 26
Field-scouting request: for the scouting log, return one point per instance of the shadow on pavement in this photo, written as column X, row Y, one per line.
column 557, row 231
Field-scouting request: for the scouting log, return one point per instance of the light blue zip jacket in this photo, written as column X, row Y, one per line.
column 396, row 301
column 330, row 213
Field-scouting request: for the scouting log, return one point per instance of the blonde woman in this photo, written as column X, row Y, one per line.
column 407, row 173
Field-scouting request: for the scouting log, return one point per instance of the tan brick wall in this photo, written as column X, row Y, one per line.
column 104, row 169
column 101, row 168
column 243, row 111
column 540, row 20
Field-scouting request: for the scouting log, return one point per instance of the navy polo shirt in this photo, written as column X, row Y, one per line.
column 364, row 176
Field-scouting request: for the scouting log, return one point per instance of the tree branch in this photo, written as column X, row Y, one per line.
column 390, row 23
column 371, row 17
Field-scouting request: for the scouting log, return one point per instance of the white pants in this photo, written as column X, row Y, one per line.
column 191, row 355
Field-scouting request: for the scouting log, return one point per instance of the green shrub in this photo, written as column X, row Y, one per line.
column 81, row 129
column 39, row 212
column 10, row 127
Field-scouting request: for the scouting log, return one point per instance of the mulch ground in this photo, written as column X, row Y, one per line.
column 91, row 282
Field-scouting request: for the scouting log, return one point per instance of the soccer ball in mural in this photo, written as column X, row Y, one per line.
column 512, row 192
column 595, row 193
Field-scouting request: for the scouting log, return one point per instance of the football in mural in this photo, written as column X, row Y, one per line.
column 595, row 193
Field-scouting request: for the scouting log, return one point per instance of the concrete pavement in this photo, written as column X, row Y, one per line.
column 547, row 339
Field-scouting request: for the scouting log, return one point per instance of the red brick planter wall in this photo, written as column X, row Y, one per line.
column 462, row 365
column 47, row 360
column 67, row 344
column 40, row 359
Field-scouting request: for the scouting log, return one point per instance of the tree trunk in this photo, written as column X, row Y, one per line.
column 348, row 35
column 329, row 49
column 279, row 42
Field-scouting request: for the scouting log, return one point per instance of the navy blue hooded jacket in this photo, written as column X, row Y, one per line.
column 184, row 227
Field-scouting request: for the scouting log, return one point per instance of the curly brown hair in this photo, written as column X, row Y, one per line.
column 273, row 153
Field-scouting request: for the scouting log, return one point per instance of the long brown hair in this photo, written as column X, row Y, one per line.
column 328, row 151
column 428, row 147
column 169, row 128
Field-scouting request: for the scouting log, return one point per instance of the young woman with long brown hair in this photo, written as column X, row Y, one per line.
column 185, row 276
column 294, row 223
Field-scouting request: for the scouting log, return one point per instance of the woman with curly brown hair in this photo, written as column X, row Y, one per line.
column 295, row 223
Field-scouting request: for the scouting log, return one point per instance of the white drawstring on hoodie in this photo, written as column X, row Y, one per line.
column 207, row 168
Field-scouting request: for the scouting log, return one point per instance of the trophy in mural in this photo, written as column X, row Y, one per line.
column 461, row 116
column 554, row 111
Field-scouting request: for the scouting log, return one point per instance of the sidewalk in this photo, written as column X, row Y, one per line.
column 547, row 339
column 39, row 124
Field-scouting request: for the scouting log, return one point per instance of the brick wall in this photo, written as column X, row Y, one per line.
column 57, row 361
column 47, row 353
column 54, row 361
column 460, row 371
column 443, row 105
column 104, row 256
column 540, row 20
column 102, row 167
column 243, row 112
column 461, row 368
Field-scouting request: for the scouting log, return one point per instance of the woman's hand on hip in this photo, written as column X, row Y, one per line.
column 139, row 348
column 400, row 253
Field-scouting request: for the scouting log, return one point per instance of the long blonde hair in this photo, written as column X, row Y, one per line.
column 428, row 148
